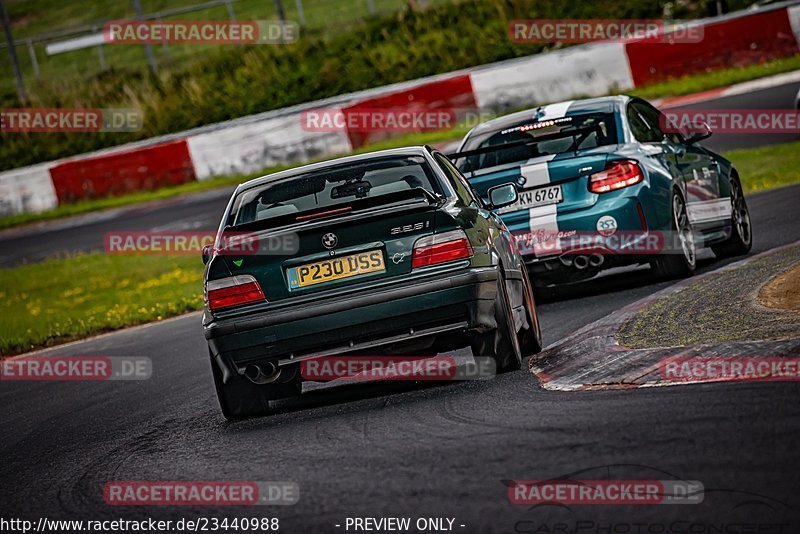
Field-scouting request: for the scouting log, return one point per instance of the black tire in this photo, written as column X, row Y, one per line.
column 530, row 337
column 239, row 398
column 502, row 343
column 682, row 263
column 741, row 240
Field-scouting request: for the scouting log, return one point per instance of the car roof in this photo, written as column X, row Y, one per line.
column 559, row 109
column 302, row 169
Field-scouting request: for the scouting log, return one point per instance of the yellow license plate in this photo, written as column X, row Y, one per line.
column 338, row 268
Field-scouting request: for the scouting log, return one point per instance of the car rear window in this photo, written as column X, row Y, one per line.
column 532, row 138
column 371, row 181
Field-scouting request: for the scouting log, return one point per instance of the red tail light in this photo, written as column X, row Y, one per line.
column 233, row 291
column 441, row 248
column 617, row 174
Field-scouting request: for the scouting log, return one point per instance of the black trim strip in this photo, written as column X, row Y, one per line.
column 475, row 276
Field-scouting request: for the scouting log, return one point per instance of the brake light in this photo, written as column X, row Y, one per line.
column 233, row 291
column 617, row 174
column 441, row 248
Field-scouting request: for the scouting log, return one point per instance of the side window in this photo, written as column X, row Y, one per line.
column 458, row 182
column 644, row 122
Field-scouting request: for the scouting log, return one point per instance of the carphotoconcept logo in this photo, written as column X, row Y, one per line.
column 41, row 120
column 200, row 32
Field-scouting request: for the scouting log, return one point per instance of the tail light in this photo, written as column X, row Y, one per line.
column 617, row 174
column 233, row 291
column 441, row 248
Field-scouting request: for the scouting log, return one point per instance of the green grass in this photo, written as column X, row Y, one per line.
column 767, row 167
column 696, row 83
column 61, row 300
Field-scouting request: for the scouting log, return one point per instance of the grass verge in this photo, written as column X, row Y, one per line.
column 687, row 85
column 767, row 167
column 718, row 309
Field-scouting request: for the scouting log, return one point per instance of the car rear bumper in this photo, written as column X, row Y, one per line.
column 445, row 304
column 554, row 241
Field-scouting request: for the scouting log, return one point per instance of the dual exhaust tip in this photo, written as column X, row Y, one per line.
column 262, row 373
column 582, row 261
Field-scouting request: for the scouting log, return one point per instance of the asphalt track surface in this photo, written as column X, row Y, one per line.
column 202, row 211
column 413, row 450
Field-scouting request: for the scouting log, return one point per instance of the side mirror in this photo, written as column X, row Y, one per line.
column 207, row 252
column 697, row 132
column 503, row 195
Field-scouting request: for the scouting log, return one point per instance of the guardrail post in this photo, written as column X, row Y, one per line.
column 101, row 53
column 231, row 14
column 301, row 16
column 164, row 44
column 34, row 60
column 148, row 49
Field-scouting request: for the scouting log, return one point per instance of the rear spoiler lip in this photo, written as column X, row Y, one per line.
column 495, row 148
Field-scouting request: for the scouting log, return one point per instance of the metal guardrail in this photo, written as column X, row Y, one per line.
column 93, row 26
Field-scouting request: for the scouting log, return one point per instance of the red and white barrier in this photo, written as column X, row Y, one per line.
column 584, row 70
column 253, row 147
column 250, row 144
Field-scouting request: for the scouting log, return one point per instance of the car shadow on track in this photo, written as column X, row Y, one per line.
column 342, row 396
column 623, row 279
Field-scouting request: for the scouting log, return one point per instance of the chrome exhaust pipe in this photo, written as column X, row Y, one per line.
column 263, row 373
column 596, row 260
column 581, row 262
